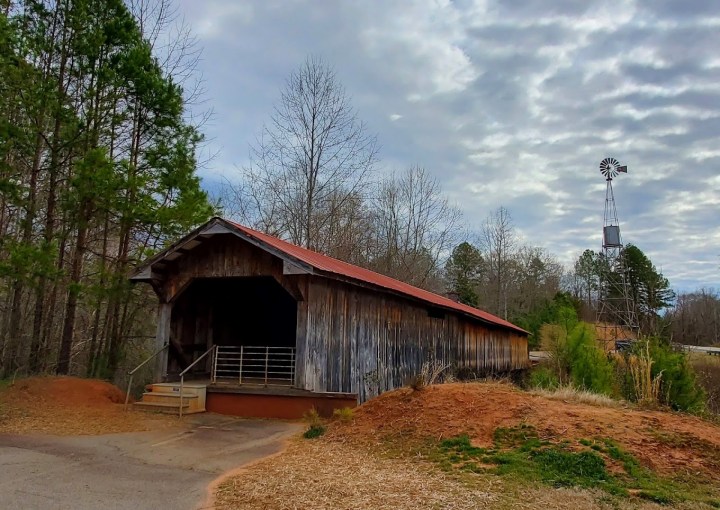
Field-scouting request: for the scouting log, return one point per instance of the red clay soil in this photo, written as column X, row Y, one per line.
column 69, row 406
column 667, row 442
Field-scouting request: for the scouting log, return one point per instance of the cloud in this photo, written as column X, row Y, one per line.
column 509, row 103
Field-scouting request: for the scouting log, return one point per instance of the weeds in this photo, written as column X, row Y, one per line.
column 316, row 428
column 520, row 452
column 430, row 373
column 542, row 377
column 707, row 369
column 314, row 431
column 646, row 387
column 577, row 396
column 345, row 415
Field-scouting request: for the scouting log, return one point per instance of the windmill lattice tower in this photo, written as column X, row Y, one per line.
column 616, row 314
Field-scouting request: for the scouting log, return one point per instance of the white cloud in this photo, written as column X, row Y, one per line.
column 507, row 106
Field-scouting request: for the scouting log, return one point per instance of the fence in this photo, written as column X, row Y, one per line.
column 269, row 366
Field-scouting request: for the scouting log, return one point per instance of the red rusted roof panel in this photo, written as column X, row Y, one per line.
column 340, row 268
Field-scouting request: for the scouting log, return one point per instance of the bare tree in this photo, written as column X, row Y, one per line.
column 498, row 241
column 537, row 279
column 695, row 318
column 313, row 157
column 414, row 226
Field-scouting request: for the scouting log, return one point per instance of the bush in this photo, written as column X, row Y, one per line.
column 678, row 388
column 590, row 368
column 315, row 424
column 314, row 431
column 559, row 310
column 575, row 357
column 544, row 378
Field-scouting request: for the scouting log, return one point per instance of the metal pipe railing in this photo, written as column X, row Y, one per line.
column 131, row 373
column 182, row 375
column 265, row 365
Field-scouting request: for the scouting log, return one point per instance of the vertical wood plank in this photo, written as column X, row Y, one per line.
column 162, row 337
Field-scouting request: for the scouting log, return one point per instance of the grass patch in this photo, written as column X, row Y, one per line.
column 316, row 428
column 521, row 454
column 314, row 431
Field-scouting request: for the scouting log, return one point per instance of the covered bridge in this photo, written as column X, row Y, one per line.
column 285, row 323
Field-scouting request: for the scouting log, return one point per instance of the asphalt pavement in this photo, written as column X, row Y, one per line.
column 169, row 469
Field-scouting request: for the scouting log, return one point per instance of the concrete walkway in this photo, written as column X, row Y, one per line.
column 144, row 470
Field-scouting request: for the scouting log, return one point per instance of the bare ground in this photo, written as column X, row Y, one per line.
column 350, row 467
column 666, row 442
column 71, row 406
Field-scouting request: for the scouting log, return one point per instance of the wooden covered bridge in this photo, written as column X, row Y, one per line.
column 267, row 328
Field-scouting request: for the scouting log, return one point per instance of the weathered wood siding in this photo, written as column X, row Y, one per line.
column 364, row 341
column 221, row 256
column 349, row 338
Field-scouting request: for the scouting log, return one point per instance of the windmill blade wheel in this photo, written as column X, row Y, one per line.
column 609, row 167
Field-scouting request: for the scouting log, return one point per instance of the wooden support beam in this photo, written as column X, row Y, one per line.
column 291, row 287
column 162, row 337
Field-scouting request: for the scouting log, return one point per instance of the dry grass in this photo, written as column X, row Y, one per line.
column 647, row 387
column 707, row 368
column 324, row 474
column 574, row 395
column 328, row 475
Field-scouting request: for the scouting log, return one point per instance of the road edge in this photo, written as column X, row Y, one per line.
column 210, row 499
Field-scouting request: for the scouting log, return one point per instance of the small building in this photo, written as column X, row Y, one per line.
column 288, row 328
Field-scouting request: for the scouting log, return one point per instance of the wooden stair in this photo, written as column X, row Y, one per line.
column 165, row 398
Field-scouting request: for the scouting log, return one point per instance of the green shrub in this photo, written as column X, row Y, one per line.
column 543, row 377
column 679, row 388
column 590, row 368
column 314, row 431
column 563, row 308
column 315, row 424
column 576, row 358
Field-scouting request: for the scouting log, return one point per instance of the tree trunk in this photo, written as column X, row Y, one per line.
column 66, row 341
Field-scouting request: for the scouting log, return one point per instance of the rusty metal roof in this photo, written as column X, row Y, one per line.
column 332, row 266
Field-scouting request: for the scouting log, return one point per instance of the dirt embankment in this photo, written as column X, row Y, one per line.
column 70, row 406
column 666, row 442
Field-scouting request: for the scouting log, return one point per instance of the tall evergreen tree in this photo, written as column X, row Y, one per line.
column 463, row 272
column 649, row 290
column 97, row 170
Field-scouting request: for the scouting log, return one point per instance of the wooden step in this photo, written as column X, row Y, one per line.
column 168, row 408
column 188, row 388
column 162, row 407
column 173, row 398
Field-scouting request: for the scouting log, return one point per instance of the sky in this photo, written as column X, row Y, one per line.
column 508, row 103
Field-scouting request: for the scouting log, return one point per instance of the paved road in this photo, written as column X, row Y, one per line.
column 143, row 470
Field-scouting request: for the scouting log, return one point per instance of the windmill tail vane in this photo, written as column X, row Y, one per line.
column 622, row 169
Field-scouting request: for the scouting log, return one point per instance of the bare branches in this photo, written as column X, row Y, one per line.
column 414, row 226
column 313, row 157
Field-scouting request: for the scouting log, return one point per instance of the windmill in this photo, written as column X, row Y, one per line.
column 616, row 314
